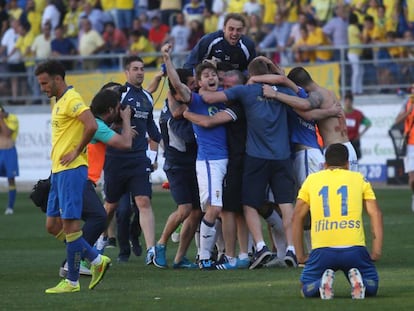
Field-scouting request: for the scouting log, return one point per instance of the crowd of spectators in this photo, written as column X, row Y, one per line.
column 33, row 30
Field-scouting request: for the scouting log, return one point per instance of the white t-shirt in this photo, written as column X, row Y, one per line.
column 180, row 34
column 9, row 41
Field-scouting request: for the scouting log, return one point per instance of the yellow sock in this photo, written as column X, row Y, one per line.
column 73, row 236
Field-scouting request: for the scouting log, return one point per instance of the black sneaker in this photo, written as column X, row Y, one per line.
column 260, row 258
column 136, row 246
column 111, row 243
column 290, row 259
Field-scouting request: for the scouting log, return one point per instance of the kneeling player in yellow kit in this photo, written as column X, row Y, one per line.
column 336, row 198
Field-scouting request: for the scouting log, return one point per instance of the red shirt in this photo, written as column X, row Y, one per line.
column 157, row 35
column 353, row 122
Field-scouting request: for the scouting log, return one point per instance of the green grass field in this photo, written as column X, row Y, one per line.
column 30, row 258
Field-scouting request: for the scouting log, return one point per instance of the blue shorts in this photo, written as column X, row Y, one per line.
column 259, row 173
column 66, row 193
column 343, row 259
column 184, row 186
column 123, row 175
column 9, row 166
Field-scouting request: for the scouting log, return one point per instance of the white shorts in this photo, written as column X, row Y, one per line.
column 210, row 175
column 306, row 162
column 409, row 159
column 352, row 157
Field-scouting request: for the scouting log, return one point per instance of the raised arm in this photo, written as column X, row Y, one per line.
column 181, row 88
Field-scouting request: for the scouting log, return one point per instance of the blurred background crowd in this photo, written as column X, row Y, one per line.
column 94, row 35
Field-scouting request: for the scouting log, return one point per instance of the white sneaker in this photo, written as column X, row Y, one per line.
column 357, row 284
column 9, row 211
column 326, row 288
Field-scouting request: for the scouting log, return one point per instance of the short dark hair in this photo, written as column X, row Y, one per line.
column 202, row 66
column 236, row 16
column 184, row 75
column 336, row 155
column 348, row 95
column 130, row 59
column 104, row 100
column 300, row 76
column 240, row 76
column 258, row 67
column 52, row 68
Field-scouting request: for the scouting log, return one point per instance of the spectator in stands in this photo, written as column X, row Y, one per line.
column 235, row 6
column 197, row 32
column 158, row 32
column 140, row 44
column 41, row 50
column 210, row 21
column 51, row 14
column 336, row 29
column 407, row 69
column 95, row 15
column 354, row 119
column 219, row 9
column 14, row 9
column 24, row 44
column 168, row 10
column 179, row 37
column 90, row 43
column 124, row 14
column 71, row 22
column 62, row 46
column 354, row 55
column 317, row 39
column 255, row 31
column 109, row 9
column 31, row 16
column 115, row 39
column 4, row 18
column 321, row 10
column 251, row 7
column 269, row 12
column 277, row 38
column 194, row 11
column 300, row 50
column 296, row 32
column 409, row 14
column 145, row 22
column 14, row 59
column 368, row 33
column 137, row 25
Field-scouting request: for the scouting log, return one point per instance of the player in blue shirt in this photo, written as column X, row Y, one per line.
column 212, row 154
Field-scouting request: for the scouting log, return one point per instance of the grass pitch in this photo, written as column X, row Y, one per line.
column 30, row 259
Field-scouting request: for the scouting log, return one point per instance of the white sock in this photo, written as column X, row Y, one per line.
column 243, row 256
column 97, row 260
column 291, row 248
column 260, row 245
column 73, row 283
column 207, row 238
column 232, row 260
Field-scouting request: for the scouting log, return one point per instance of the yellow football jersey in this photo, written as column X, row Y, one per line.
column 335, row 197
column 67, row 130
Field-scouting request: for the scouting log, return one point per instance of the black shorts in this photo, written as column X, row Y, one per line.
column 259, row 173
column 232, row 187
column 123, row 175
column 184, row 186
